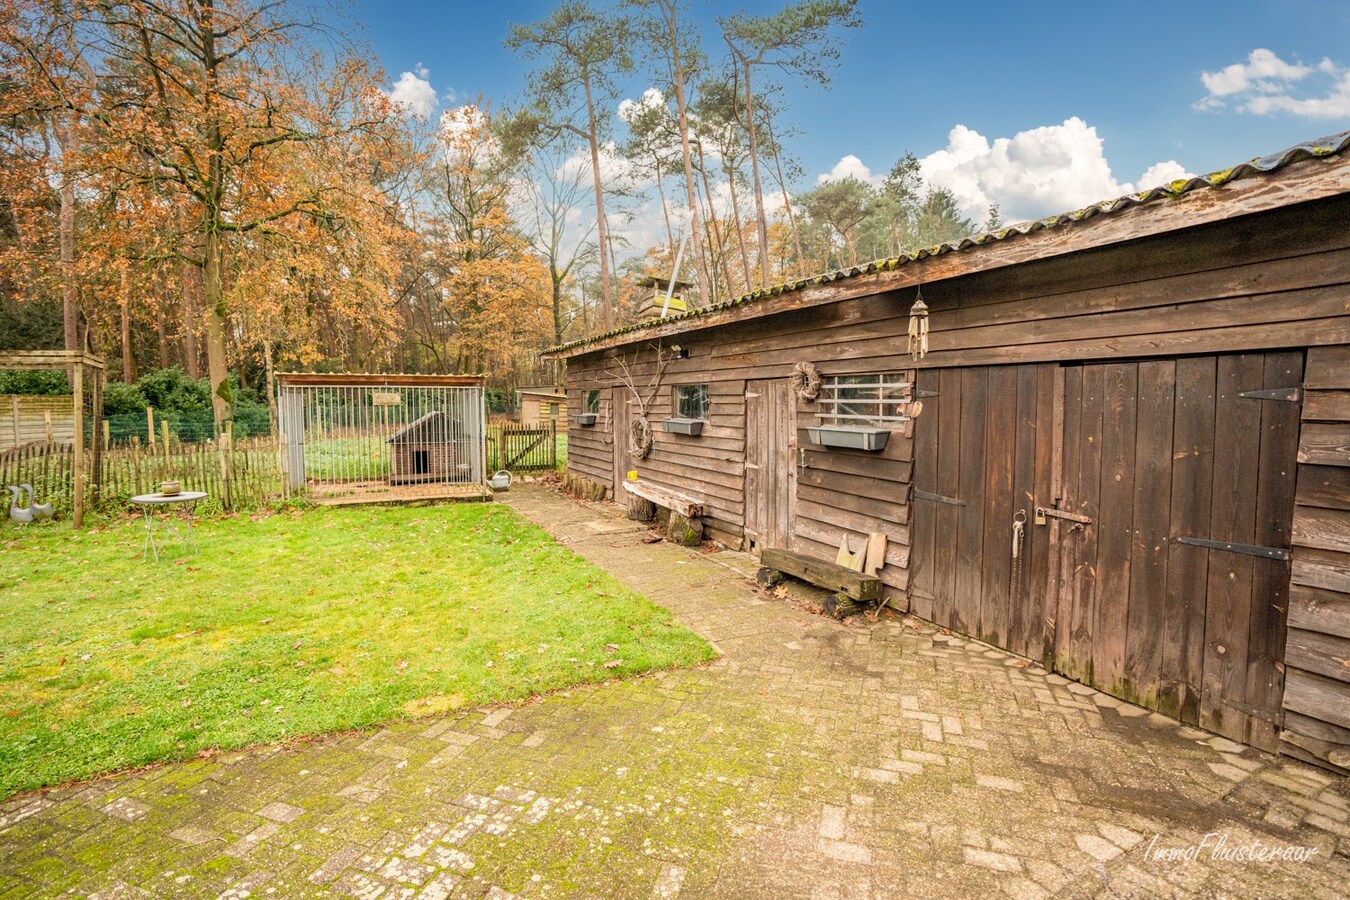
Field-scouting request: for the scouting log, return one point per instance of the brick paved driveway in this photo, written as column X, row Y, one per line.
column 812, row 760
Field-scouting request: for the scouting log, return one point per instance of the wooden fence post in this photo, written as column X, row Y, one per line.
column 150, row 427
column 77, row 476
column 223, row 448
column 164, row 430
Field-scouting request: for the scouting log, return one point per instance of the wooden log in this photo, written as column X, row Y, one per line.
column 823, row 574
column 768, row 578
column 640, row 509
column 676, row 503
column 684, row 531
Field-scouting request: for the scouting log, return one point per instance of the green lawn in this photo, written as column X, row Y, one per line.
column 292, row 624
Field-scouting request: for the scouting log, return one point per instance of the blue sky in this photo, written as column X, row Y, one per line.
column 1128, row 79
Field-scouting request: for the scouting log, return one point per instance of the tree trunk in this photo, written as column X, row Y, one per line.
column 128, row 363
column 787, row 199
column 556, row 278
column 271, row 384
column 754, row 169
column 190, row 275
column 740, row 232
column 218, row 374
column 163, row 342
column 712, row 220
column 692, row 194
column 606, row 294
column 665, row 210
column 68, row 141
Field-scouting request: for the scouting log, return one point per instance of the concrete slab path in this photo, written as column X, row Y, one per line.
column 814, row 759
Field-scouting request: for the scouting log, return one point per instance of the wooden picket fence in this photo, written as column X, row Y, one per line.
column 48, row 467
column 236, row 475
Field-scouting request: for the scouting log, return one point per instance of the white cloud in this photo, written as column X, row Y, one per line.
column 1262, row 71
column 1161, row 173
column 851, row 167
column 1265, row 84
column 1034, row 173
column 651, row 99
column 413, row 92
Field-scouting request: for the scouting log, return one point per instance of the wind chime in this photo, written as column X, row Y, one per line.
column 918, row 327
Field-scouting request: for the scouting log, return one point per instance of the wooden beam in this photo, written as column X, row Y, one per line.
column 365, row 379
column 823, row 574
column 1299, row 182
column 40, row 360
column 685, row 506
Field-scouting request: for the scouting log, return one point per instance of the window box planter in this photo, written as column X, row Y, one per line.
column 849, row 437
column 683, row 426
column 585, row 420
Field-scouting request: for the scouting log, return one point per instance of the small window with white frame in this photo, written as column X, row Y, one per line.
column 691, row 401
column 878, row 400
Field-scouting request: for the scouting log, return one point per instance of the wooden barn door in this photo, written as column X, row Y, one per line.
column 982, row 460
column 1172, row 581
column 770, row 464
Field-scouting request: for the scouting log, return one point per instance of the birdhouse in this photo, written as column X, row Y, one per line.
column 652, row 305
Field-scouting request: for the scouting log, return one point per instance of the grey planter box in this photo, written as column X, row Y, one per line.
column 683, row 426
column 849, row 438
column 585, row 420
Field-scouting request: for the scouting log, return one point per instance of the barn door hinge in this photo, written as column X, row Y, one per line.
column 938, row 498
column 1292, row 395
column 1279, row 553
column 920, row 393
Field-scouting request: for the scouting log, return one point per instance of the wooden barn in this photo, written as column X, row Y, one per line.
column 1156, row 387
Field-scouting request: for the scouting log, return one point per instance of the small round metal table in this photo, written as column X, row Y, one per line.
column 168, row 525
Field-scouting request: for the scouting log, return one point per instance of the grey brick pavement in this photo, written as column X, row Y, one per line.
column 813, row 759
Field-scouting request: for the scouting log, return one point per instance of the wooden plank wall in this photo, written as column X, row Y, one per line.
column 22, row 420
column 851, row 493
column 1317, row 654
column 1259, row 282
column 710, row 466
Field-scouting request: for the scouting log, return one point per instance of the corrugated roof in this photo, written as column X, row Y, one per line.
column 1315, row 149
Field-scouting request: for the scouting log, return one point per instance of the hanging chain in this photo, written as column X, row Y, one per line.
column 1018, row 535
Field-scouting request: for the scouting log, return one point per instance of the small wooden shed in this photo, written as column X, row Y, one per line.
column 542, row 404
column 426, row 450
column 1157, row 385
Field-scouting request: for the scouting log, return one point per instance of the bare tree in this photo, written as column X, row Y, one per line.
column 800, row 39
column 582, row 50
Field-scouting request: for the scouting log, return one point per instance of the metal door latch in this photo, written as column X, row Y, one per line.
column 1043, row 513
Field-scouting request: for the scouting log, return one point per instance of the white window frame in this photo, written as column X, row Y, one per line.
column 892, row 390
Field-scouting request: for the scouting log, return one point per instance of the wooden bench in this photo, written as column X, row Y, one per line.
column 858, row 585
column 686, row 513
